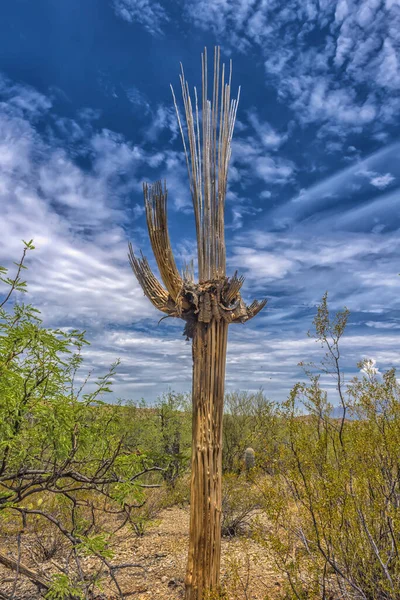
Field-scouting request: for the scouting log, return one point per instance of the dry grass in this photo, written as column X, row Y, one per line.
column 247, row 568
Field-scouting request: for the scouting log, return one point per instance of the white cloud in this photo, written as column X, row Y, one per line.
column 22, row 100
column 79, row 271
column 377, row 214
column 276, row 170
column 383, row 324
column 250, row 158
column 268, row 136
column 176, row 175
column 388, row 66
column 163, row 118
column 221, row 16
column 336, row 61
column 382, row 181
column 299, row 265
column 316, row 98
column 138, row 98
column 350, row 183
column 158, row 119
column 149, row 14
column 260, row 265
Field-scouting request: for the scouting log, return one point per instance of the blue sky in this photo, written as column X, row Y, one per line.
column 86, row 116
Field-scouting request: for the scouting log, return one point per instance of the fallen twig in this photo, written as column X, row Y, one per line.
column 24, row 570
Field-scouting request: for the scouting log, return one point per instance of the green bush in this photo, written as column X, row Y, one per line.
column 335, row 508
column 249, row 421
column 63, row 461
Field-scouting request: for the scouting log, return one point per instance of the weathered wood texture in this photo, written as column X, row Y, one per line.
column 209, row 358
column 208, row 307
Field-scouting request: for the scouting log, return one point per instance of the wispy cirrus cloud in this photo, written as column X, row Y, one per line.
column 267, row 135
column 151, row 15
column 251, row 158
column 76, row 216
column 350, row 189
column 330, row 61
column 158, row 119
column 22, row 100
column 294, row 270
column 69, row 187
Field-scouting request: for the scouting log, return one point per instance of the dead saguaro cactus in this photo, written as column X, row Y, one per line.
column 207, row 306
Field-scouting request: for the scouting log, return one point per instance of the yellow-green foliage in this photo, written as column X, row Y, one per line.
column 63, row 460
column 161, row 430
column 335, row 506
column 250, row 420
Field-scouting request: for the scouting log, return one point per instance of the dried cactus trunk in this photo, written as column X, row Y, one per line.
column 209, row 358
column 207, row 307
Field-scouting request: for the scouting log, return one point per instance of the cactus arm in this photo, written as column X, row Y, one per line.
column 150, row 285
column 155, row 200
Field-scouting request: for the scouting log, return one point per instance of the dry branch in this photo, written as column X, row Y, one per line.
column 18, row 567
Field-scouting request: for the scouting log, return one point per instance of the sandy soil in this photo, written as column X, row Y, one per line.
column 247, row 569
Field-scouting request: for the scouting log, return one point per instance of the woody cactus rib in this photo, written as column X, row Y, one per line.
column 207, row 153
column 207, row 307
column 155, row 200
column 152, row 288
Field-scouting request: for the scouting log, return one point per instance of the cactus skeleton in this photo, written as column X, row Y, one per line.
column 207, row 306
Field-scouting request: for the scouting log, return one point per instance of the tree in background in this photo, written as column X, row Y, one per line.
column 249, row 420
column 208, row 307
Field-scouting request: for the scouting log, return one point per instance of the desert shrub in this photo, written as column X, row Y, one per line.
column 172, row 444
column 179, row 494
column 161, row 431
column 335, row 508
column 249, row 421
column 240, row 505
column 238, row 579
column 46, row 545
column 145, row 515
column 237, row 431
column 63, row 462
